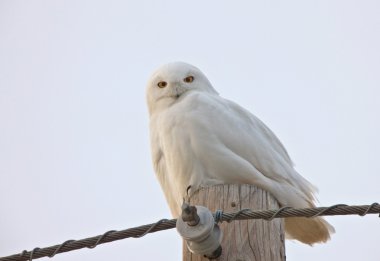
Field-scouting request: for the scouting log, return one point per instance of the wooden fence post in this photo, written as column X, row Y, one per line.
column 243, row 240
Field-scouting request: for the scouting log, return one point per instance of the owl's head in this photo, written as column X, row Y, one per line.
column 171, row 82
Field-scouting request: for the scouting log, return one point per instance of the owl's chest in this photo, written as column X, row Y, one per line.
column 193, row 113
column 174, row 135
column 176, row 131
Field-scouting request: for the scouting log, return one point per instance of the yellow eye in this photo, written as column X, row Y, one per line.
column 162, row 84
column 189, row 79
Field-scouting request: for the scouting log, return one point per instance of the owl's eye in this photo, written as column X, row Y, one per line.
column 189, row 79
column 162, row 84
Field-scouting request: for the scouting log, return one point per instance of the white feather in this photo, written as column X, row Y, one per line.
column 199, row 138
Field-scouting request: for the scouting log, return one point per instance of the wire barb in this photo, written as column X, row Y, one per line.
column 164, row 224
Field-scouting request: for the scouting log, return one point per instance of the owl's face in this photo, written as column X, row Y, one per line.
column 172, row 81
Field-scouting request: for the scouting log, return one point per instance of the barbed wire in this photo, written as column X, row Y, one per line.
column 164, row 224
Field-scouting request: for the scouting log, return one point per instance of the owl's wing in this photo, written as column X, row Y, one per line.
column 270, row 155
column 247, row 139
column 258, row 145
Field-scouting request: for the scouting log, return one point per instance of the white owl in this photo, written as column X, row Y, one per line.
column 199, row 138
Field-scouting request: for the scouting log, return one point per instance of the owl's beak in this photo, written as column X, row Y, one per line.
column 178, row 90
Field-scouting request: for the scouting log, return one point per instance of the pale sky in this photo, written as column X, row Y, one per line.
column 74, row 141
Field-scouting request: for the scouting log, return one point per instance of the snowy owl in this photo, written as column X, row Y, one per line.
column 199, row 138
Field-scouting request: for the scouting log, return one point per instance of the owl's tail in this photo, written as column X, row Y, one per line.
column 308, row 230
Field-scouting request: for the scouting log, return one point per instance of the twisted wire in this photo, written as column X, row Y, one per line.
column 164, row 224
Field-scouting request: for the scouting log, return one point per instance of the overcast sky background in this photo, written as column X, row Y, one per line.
column 74, row 146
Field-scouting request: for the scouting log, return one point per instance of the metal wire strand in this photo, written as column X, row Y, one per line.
column 101, row 238
column 234, row 215
column 278, row 212
column 163, row 224
column 31, row 253
column 369, row 209
column 151, row 229
column 60, row 247
column 328, row 209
